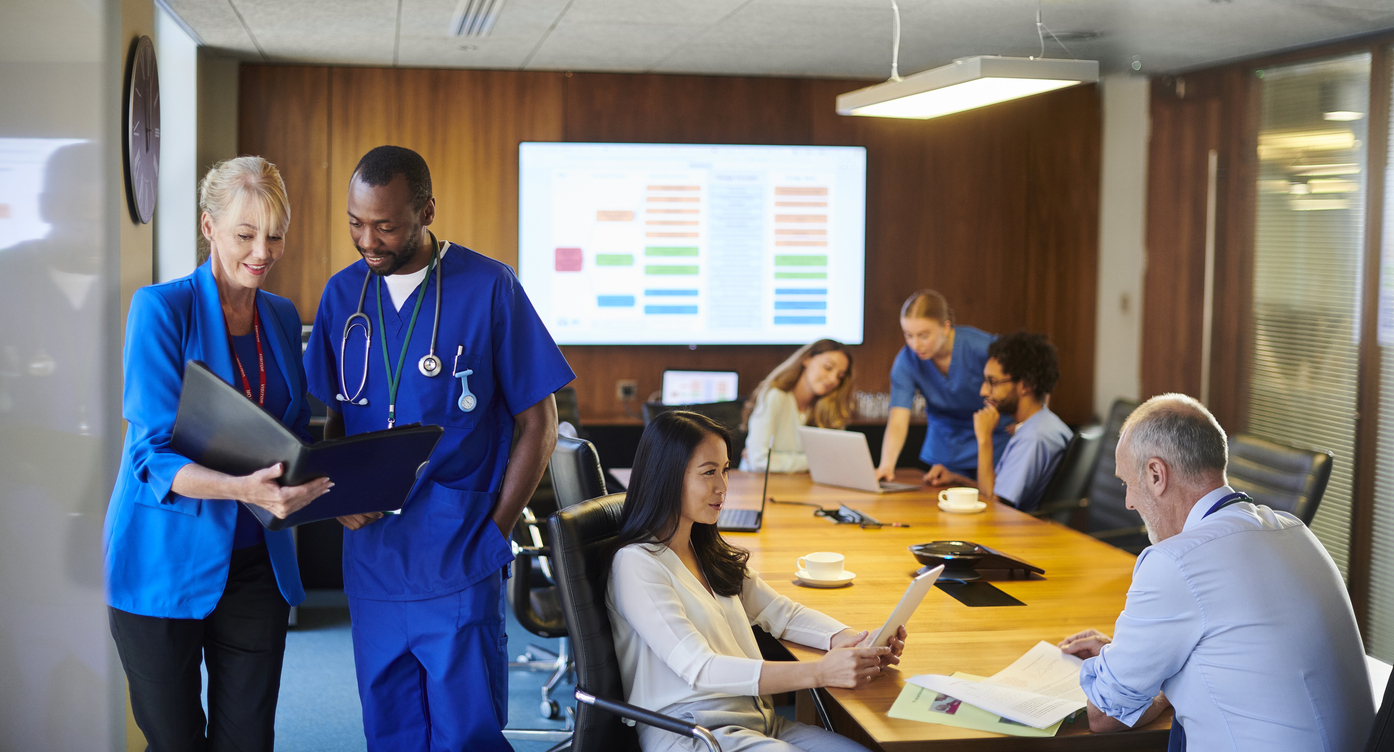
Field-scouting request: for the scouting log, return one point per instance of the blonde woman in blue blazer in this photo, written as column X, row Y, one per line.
column 191, row 576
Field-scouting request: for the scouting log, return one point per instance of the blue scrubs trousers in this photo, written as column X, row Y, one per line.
column 433, row 674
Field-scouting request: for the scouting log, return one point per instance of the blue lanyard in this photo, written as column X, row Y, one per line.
column 1233, row 498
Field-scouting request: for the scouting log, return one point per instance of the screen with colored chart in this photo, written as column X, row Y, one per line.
column 693, row 244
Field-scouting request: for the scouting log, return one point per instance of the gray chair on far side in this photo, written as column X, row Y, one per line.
column 1285, row 478
column 1064, row 498
column 1110, row 520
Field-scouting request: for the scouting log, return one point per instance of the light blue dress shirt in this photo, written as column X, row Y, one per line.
column 1243, row 621
column 1024, row 467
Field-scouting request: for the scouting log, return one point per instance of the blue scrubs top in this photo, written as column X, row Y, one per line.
column 950, row 400
column 444, row 540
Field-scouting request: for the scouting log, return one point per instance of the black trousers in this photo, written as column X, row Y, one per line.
column 243, row 642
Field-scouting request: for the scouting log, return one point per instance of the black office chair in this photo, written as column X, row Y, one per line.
column 1285, row 478
column 1382, row 734
column 581, row 537
column 727, row 414
column 576, row 476
column 1064, row 497
column 1109, row 517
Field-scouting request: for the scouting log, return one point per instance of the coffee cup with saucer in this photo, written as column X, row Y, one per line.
column 823, row 569
column 960, row 500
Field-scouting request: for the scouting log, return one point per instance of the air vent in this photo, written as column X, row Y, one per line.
column 475, row 18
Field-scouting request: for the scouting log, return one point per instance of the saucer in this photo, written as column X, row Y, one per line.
column 974, row 508
column 843, row 579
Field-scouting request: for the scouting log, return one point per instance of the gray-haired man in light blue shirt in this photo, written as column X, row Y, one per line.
column 1237, row 617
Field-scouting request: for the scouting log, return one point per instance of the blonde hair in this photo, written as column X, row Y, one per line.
column 231, row 183
column 831, row 410
column 927, row 304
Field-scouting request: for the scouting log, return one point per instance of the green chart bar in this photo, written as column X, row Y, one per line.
column 800, row 275
column 800, row 260
column 669, row 251
column 686, row 271
column 614, row 259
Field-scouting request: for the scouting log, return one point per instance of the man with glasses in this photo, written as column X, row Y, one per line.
column 1020, row 374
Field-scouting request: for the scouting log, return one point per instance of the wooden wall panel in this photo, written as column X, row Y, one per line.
column 950, row 202
column 283, row 115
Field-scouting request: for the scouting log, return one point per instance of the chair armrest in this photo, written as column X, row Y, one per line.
column 1064, row 505
column 648, row 717
column 530, row 551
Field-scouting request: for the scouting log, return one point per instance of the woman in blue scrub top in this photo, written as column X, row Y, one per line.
column 191, row 576
column 944, row 363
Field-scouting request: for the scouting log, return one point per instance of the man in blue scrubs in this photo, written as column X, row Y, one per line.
column 425, row 586
column 1019, row 375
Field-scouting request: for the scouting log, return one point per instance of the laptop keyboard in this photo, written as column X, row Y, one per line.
column 737, row 518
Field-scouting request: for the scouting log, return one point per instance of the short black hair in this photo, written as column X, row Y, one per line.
column 379, row 166
column 1029, row 358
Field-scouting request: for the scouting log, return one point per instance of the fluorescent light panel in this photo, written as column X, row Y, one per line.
column 966, row 84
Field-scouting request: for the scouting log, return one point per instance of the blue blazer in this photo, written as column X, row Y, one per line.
column 168, row 555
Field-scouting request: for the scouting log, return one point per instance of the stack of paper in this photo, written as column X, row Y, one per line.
column 1040, row 689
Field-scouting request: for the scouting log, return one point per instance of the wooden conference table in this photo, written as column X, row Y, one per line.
column 1085, row 585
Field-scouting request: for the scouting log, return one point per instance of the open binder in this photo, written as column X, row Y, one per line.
column 219, row 428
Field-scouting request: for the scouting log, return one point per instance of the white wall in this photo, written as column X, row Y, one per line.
column 62, row 216
column 176, row 210
column 1122, row 232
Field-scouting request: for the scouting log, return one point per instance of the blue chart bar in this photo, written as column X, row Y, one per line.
column 800, row 320
column 801, row 305
column 671, row 293
column 614, row 301
column 690, row 309
column 801, row 291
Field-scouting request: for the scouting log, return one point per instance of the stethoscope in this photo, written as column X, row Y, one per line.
column 429, row 365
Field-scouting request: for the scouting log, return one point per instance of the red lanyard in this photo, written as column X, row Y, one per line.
column 261, row 361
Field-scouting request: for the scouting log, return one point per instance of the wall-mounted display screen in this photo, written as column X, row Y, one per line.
column 693, row 244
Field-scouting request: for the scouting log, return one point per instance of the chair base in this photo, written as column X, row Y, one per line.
column 561, row 665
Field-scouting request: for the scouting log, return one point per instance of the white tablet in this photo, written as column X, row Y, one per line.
column 906, row 608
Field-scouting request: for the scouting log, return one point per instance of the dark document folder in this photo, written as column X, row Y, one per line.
column 219, row 428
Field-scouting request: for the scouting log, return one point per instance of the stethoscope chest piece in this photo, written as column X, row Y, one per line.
column 429, row 365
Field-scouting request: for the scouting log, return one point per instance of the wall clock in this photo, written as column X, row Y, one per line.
column 142, row 121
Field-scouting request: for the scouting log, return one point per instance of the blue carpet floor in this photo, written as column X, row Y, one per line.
column 319, row 709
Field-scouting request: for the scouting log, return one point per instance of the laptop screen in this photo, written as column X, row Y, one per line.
column 698, row 387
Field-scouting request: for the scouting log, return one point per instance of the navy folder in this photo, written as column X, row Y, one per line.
column 219, row 428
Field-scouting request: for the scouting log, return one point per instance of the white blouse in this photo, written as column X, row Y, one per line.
column 776, row 413
column 678, row 643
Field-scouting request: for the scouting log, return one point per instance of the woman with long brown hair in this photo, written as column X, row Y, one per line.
column 812, row 387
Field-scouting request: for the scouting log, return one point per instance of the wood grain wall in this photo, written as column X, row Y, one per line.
column 996, row 208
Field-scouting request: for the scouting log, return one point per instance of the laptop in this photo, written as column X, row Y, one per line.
column 699, row 387
column 747, row 520
column 842, row 458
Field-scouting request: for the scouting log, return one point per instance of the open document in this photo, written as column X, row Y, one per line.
column 1039, row 689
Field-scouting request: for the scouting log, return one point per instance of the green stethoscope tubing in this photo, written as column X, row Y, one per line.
column 394, row 377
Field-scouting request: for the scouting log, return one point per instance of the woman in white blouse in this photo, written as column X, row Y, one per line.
column 682, row 602
column 812, row 387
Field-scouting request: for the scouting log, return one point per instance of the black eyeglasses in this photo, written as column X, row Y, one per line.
column 994, row 383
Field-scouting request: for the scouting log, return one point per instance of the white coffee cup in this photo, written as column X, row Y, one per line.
column 823, row 565
column 959, row 498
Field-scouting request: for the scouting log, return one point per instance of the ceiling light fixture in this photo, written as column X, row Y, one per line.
column 966, row 83
column 474, row 18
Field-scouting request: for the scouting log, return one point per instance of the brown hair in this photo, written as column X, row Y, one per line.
column 927, row 304
column 831, row 410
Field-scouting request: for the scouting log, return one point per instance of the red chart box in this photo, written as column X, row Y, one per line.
column 569, row 259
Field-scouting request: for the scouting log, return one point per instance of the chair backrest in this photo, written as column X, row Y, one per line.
column 1285, row 478
column 1107, row 510
column 1382, row 734
column 576, row 472
column 581, row 538
column 568, row 406
column 726, row 413
column 1076, row 471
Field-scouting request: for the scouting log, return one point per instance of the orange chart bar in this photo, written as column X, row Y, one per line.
column 671, row 222
column 683, row 199
column 675, row 187
column 652, row 210
column 800, row 190
column 796, row 218
column 670, row 234
column 801, row 231
column 800, row 203
column 614, row 216
column 801, row 242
